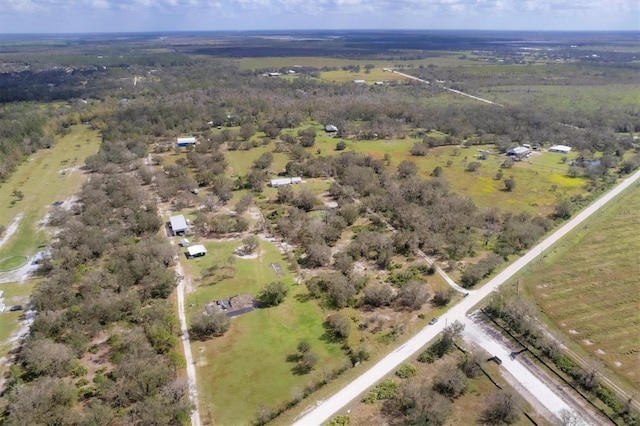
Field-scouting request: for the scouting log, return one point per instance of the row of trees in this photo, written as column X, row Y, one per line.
column 102, row 346
column 519, row 316
column 415, row 400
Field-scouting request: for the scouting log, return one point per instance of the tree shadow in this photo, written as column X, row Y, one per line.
column 330, row 336
column 294, row 357
column 301, row 369
column 303, row 298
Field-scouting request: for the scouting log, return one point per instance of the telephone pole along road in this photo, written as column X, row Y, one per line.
column 325, row 409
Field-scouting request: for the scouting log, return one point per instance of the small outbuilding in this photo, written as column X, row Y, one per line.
column 330, row 128
column 276, row 183
column 519, row 152
column 186, row 141
column 197, row 250
column 178, row 224
column 562, row 149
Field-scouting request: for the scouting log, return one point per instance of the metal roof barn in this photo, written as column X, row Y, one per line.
column 196, row 250
column 178, row 224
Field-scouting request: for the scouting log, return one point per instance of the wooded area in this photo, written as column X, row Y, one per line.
column 103, row 346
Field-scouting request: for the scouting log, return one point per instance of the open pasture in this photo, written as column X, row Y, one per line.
column 254, row 351
column 446, row 59
column 375, row 74
column 47, row 176
column 570, row 97
column 587, row 286
column 541, row 180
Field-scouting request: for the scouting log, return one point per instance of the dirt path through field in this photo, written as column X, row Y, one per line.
column 11, row 229
column 186, row 343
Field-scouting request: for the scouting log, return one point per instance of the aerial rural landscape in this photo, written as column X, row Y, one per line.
column 320, row 227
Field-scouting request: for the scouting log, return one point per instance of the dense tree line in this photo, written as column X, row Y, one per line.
column 102, row 345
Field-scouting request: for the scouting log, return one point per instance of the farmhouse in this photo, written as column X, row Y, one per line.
column 196, row 251
column 186, row 141
column 330, row 128
column 519, row 152
column 178, row 224
column 562, row 149
column 276, row 183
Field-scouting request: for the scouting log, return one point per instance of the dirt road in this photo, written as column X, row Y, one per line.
column 186, row 344
column 11, row 229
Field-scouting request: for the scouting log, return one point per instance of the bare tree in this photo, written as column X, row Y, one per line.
column 502, row 408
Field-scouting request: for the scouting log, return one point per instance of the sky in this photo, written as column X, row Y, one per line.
column 82, row 16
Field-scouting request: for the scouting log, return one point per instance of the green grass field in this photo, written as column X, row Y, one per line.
column 588, row 286
column 13, row 294
column 246, row 368
column 570, row 98
column 47, row 176
column 541, row 180
column 376, row 74
column 447, row 59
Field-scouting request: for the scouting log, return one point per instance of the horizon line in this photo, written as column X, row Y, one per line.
column 51, row 33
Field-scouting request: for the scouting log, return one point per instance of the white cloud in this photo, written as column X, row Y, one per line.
column 285, row 14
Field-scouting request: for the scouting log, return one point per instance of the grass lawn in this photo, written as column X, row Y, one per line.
column 248, row 365
column 376, row 74
column 13, row 262
column 47, row 176
column 588, row 287
column 541, row 180
column 573, row 98
column 447, row 59
column 14, row 294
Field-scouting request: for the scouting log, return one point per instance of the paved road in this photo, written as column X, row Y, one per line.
column 445, row 88
column 325, row 409
column 526, row 379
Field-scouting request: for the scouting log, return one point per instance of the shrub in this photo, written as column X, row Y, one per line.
column 405, row 371
column 386, row 389
column 204, row 326
column 273, row 294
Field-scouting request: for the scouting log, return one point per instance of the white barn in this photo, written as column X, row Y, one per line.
column 562, row 149
column 276, row 183
column 186, row 141
column 196, row 250
column 178, row 224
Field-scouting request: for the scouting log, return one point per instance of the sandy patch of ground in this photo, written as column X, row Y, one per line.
column 246, row 256
column 254, row 212
column 573, row 331
column 11, row 229
column 587, row 342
